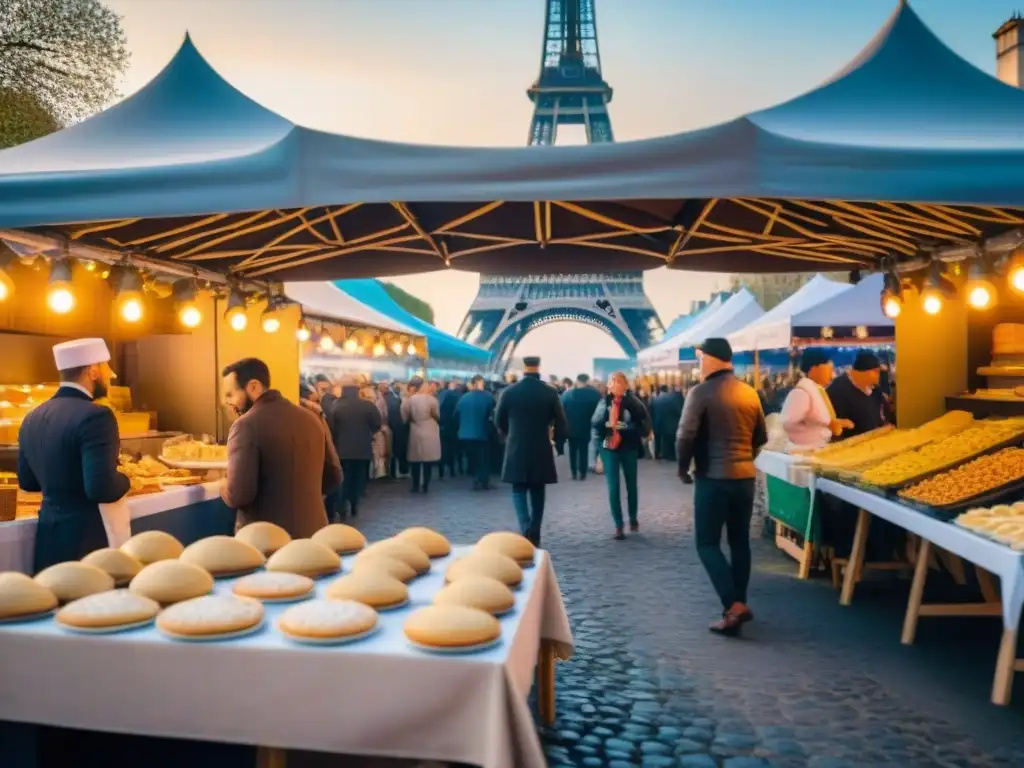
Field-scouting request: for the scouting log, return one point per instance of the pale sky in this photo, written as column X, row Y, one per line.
column 456, row 72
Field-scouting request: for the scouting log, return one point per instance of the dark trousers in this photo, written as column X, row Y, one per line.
column 332, row 503
column 614, row 463
column 421, row 472
column 728, row 504
column 451, row 458
column 357, row 474
column 665, row 445
column 578, row 456
column 478, row 452
column 528, row 500
column 397, row 465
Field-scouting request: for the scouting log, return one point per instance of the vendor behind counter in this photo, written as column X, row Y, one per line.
column 856, row 395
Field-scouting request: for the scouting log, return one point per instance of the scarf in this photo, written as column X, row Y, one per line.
column 615, row 415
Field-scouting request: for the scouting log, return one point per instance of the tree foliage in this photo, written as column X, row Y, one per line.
column 411, row 304
column 69, row 54
column 23, row 118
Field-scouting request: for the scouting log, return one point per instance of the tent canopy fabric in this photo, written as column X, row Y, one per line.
column 190, row 169
column 327, row 301
column 441, row 345
column 859, row 306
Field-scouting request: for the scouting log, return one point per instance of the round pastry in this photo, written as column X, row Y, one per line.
column 327, row 620
column 519, row 548
column 20, row 595
column 171, row 581
column 223, row 555
column 305, row 557
column 393, row 567
column 371, row 587
column 431, row 542
column 405, row 551
column 117, row 608
column 490, row 564
column 266, row 537
column 477, row 592
column 1002, row 510
column 72, row 580
column 451, row 626
column 343, row 539
column 273, row 587
column 152, row 546
column 1018, row 507
column 118, row 563
column 210, row 616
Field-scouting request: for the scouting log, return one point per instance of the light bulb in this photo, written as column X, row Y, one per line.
column 379, row 349
column 6, row 286
column 351, row 345
column 131, row 309
column 412, row 349
column 397, row 347
column 60, row 299
column 237, row 319
column 271, row 325
column 326, row 343
column 1017, row 279
column 190, row 316
column 302, row 334
column 892, row 307
column 932, row 304
column 980, row 297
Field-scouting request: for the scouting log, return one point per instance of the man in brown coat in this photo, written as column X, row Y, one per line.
column 281, row 459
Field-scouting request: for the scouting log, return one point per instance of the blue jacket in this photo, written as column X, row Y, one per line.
column 474, row 412
column 580, row 404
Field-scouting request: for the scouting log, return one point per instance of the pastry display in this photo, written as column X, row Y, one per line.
column 343, row 539
column 482, row 563
column 72, row 580
column 519, row 548
column 393, row 567
column 21, row 596
column 372, row 587
column 399, row 549
column 478, row 592
column 306, row 558
column 451, row 627
column 948, row 451
column 210, row 617
column 108, row 611
column 171, row 581
column 151, row 546
column 118, row 563
column 327, row 621
column 223, row 556
column 147, row 475
column 847, row 443
column 970, row 480
column 430, row 541
column 274, row 587
column 266, row 537
column 185, row 448
column 1003, row 523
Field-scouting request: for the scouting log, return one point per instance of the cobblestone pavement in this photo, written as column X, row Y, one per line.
column 810, row 684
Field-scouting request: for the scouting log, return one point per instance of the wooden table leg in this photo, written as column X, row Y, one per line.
column 1005, row 663
column 856, row 562
column 546, row 682
column 988, row 589
column 805, row 560
column 271, row 757
column 916, row 592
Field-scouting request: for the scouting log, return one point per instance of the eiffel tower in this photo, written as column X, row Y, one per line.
column 570, row 89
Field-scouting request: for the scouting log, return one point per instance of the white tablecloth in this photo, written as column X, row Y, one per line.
column 786, row 467
column 994, row 557
column 376, row 697
column 18, row 537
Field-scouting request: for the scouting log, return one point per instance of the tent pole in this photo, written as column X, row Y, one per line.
column 757, row 369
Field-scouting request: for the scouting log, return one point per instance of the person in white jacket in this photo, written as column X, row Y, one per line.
column 807, row 414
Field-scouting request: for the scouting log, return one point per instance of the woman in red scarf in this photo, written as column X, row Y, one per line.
column 621, row 424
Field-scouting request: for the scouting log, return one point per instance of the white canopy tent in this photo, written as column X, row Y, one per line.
column 326, row 301
column 858, row 306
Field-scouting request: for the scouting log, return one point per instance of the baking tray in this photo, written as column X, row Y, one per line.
column 999, row 495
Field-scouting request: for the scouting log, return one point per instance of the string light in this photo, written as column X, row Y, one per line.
column 235, row 313
column 981, row 293
column 302, row 333
column 185, row 293
column 59, row 296
column 129, row 299
column 6, row 282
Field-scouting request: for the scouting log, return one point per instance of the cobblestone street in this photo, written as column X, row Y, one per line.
column 810, row 684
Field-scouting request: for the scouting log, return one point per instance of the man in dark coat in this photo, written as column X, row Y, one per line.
column 397, row 462
column 475, row 416
column 526, row 413
column 354, row 422
column 579, row 403
column 68, row 450
column 666, row 410
column 451, row 456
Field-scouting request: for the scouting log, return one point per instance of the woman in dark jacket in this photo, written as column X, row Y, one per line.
column 621, row 423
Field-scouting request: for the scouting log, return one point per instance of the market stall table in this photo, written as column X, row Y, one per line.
column 986, row 555
column 790, row 487
column 188, row 513
column 378, row 696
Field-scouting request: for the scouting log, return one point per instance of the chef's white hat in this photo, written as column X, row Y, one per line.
column 80, row 353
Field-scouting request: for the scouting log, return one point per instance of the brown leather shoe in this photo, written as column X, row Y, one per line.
column 619, row 535
column 732, row 620
column 634, row 526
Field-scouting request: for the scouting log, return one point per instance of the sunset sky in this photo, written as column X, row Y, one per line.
column 456, row 71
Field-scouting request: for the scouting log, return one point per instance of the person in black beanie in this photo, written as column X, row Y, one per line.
column 856, row 397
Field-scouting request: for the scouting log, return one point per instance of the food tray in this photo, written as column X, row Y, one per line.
column 849, row 442
column 987, row 499
column 184, row 464
column 1008, row 443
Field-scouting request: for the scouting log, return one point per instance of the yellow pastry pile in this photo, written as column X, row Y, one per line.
column 942, row 453
column 844, row 445
column 187, row 449
column 1003, row 523
column 147, row 475
column 972, row 479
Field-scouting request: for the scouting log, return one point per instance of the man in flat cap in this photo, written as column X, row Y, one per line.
column 721, row 431
column 526, row 412
column 67, row 449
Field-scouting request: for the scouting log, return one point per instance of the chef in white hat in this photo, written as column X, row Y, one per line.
column 67, row 450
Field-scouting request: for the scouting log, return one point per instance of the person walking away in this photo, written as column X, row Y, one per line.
column 579, row 404
column 474, row 416
column 448, row 402
column 423, row 415
column 808, row 417
column 594, row 449
column 721, row 432
column 398, row 464
column 526, row 413
column 281, row 460
column 355, row 421
column 621, row 422
column 68, row 449
column 666, row 410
